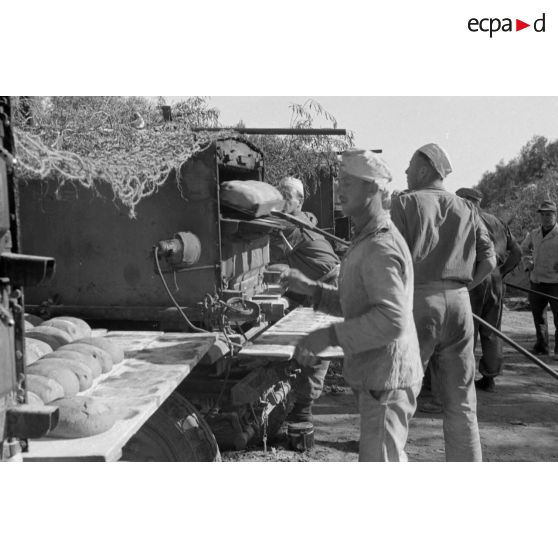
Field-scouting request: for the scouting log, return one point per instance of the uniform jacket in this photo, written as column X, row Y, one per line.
column 312, row 254
column 445, row 234
column 506, row 247
column 542, row 253
column 375, row 296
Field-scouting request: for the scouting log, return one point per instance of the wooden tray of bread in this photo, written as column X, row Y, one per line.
column 116, row 380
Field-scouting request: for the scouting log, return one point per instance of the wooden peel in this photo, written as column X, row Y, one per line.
column 313, row 228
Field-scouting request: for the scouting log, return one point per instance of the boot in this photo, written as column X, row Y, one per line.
column 541, row 346
column 539, row 350
column 301, row 412
column 486, row 383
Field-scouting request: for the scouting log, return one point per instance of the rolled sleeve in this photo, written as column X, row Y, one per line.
column 381, row 273
column 484, row 246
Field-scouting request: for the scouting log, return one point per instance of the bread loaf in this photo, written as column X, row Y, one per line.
column 63, row 374
column 34, row 399
column 82, row 325
column 251, row 196
column 101, row 355
column 53, row 336
column 27, row 325
column 85, row 358
column 66, row 326
column 82, row 416
column 81, row 370
column 46, row 388
column 32, row 319
column 116, row 353
column 35, row 349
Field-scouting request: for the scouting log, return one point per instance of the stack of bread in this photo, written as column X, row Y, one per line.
column 63, row 359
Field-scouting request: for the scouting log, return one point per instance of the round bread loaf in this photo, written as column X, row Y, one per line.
column 53, row 336
column 28, row 325
column 35, row 349
column 82, row 416
column 71, row 329
column 46, row 388
column 62, row 373
column 104, row 358
column 32, row 319
column 82, row 325
column 81, row 370
column 116, row 353
column 85, row 358
column 34, row 399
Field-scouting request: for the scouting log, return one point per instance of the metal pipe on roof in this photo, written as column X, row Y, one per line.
column 278, row 131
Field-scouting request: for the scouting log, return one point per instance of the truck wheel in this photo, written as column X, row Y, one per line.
column 175, row 432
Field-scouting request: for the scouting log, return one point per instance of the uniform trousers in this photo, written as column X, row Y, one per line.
column 444, row 322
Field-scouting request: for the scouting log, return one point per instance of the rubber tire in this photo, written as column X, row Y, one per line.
column 175, row 432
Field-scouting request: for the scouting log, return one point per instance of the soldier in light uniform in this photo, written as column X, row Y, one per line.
column 540, row 259
column 375, row 296
column 451, row 253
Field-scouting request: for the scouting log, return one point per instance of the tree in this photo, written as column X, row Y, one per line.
column 514, row 189
column 303, row 156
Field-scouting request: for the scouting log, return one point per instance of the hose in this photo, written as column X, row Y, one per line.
column 519, row 348
column 530, row 291
column 192, row 327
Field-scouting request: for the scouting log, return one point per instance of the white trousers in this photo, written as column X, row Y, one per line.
column 384, row 422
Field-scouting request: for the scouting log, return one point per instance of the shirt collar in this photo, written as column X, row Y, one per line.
column 374, row 225
column 552, row 231
column 436, row 187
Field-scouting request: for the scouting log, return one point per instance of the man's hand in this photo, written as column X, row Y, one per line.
column 308, row 348
column 296, row 282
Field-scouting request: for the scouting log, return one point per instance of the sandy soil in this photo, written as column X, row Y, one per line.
column 518, row 422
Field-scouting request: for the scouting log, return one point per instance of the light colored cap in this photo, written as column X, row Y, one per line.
column 366, row 165
column 547, row 205
column 438, row 157
column 292, row 183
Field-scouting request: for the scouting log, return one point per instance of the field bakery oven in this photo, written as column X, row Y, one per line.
column 182, row 297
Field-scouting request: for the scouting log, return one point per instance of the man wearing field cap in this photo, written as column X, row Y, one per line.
column 540, row 259
column 375, row 296
column 451, row 253
column 487, row 300
column 312, row 254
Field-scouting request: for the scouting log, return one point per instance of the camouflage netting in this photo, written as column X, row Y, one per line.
column 120, row 140
column 126, row 142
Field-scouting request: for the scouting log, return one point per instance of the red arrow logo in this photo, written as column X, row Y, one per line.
column 519, row 25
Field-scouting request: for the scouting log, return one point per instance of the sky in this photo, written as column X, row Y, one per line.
column 477, row 132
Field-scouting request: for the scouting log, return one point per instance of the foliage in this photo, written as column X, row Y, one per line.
column 514, row 189
column 303, row 156
column 126, row 142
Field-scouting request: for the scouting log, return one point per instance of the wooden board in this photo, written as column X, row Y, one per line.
column 154, row 365
column 280, row 340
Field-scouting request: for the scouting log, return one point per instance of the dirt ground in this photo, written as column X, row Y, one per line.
column 518, row 422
